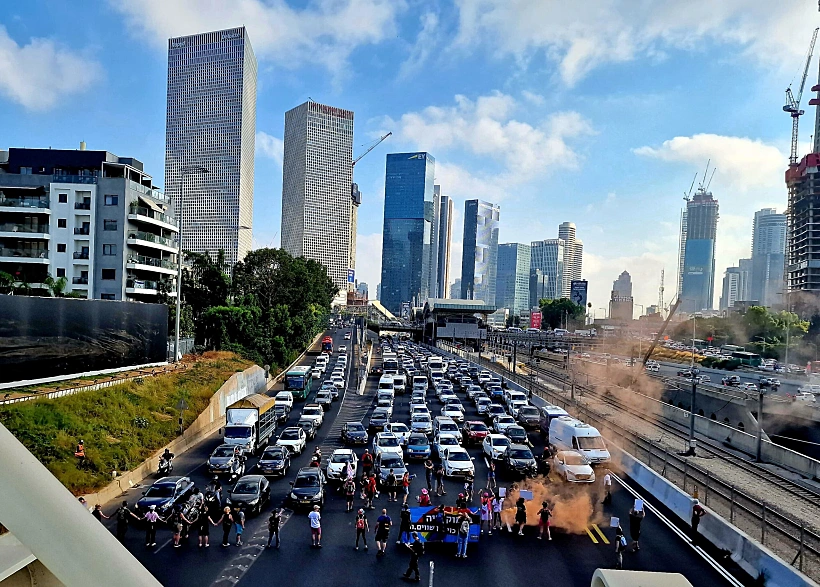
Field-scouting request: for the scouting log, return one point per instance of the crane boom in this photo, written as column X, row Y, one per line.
column 370, row 148
column 793, row 104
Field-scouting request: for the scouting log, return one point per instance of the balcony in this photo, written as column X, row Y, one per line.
column 24, row 204
column 82, row 205
column 155, row 194
column 134, row 285
column 152, row 240
column 83, row 230
column 143, row 214
column 68, row 178
column 24, row 255
column 79, row 280
column 81, row 255
column 14, row 229
column 142, row 263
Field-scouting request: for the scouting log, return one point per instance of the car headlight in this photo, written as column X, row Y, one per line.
column 293, row 496
column 254, row 501
column 570, row 475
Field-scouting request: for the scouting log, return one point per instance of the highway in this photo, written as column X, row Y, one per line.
column 570, row 559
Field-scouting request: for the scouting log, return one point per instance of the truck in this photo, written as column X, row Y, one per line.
column 250, row 423
column 390, row 364
column 327, row 345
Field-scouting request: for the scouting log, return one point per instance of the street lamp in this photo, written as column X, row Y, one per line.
column 198, row 170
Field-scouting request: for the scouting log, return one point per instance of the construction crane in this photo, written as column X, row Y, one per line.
column 672, row 310
column 793, row 104
column 355, row 194
column 370, row 148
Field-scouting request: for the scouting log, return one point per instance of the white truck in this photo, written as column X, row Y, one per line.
column 250, row 423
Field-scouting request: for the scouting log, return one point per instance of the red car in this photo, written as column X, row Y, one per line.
column 474, row 432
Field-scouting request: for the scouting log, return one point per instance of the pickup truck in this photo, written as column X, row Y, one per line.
column 250, row 423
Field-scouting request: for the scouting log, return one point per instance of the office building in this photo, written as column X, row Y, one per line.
column 731, row 292
column 538, row 285
column 89, row 216
column 744, row 288
column 479, row 257
column 573, row 256
column 621, row 304
column 407, row 234
column 623, row 285
column 455, row 289
column 444, row 236
column 698, row 288
column 379, row 291
column 316, row 188
column 548, row 257
column 513, row 278
column 211, row 123
column 362, row 289
column 768, row 257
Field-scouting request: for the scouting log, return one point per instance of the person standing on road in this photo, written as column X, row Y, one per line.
column 98, row 513
column 440, row 480
column 620, row 546
column 203, row 523
column 463, row 536
column 636, row 516
column 491, row 474
column 416, row 550
column 544, row 515
column 469, row 482
column 498, row 505
column 274, row 522
column 405, row 487
column 607, row 488
column 428, row 474
column 123, row 515
column 521, row 515
column 362, row 528
column 178, row 519
column 239, row 524
column 367, row 464
column 151, row 518
column 404, row 525
column 227, row 523
column 486, row 512
column 316, row 526
column 370, row 492
column 391, row 483
column 697, row 513
column 350, row 493
column 383, row 524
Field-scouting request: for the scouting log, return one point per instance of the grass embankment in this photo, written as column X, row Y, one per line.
column 121, row 425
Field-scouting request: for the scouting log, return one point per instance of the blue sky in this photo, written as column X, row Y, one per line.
column 598, row 112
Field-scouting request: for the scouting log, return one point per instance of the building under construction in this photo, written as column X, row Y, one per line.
column 803, row 215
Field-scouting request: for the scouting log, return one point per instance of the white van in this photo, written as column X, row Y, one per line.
column 399, row 383
column 511, row 396
column 567, row 433
column 386, row 383
column 420, row 383
column 321, row 362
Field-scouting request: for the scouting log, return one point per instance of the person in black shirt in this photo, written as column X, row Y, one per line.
column 416, row 550
column 274, row 522
column 404, row 525
column 123, row 515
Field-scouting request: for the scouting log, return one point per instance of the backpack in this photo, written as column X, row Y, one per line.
column 360, row 523
column 622, row 541
column 122, row 514
column 464, row 528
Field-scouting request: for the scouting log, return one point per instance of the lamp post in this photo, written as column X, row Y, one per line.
column 188, row 171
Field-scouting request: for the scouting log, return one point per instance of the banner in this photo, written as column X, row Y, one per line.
column 535, row 320
column 578, row 292
column 434, row 528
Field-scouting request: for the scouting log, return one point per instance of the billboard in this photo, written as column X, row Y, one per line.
column 46, row 337
column 433, row 527
column 351, row 276
column 405, row 310
column 578, row 292
column 535, row 320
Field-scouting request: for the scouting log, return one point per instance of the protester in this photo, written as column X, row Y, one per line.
column 178, row 519
column 461, row 501
column 367, row 464
column 416, row 550
column 361, row 528
column 391, row 483
column 469, row 481
column 428, row 473
column 404, row 525
column 239, row 524
column 521, row 515
column 151, row 518
column 491, row 474
column 370, row 492
column 463, row 536
column 607, row 487
column 350, row 492
column 697, row 513
column 316, row 527
column 227, row 523
column 123, row 516
column 382, row 530
column 498, row 505
column 405, row 487
column 98, row 513
column 424, row 498
column 636, row 516
column 620, row 546
column 544, row 515
column 274, row 523
column 486, row 512
column 439, row 472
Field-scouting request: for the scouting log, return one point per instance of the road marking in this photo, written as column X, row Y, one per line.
column 591, row 535
column 601, row 534
column 163, row 545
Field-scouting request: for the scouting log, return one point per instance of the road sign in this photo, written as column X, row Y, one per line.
column 182, row 405
column 535, row 320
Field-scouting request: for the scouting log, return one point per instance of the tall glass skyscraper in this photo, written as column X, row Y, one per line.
column 445, row 233
column 211, row 123
column 768, row 257
column 547, row 256
column 698, row 289
column 317, row 175
column 479, row 257
column 512, row 289
column 573, row 256
column 407, row 234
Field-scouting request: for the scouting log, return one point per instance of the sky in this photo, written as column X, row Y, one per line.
column 598, row 112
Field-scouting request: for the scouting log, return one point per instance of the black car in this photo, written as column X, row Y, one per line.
column 308, row 489
column 282, row 411
column 309, row 426
column 274, row 461
column 378, row 419
column 354, row 433
column 518, row 460
column 529, row 417
column 165, row 494
column 517, row 435
column 251, row 492
column 324, row 399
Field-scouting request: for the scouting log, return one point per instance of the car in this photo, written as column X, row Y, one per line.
column 401, row 431
column 418, row 446
column 418, row 401
column 284, row 397
column 274, row 461
column 748, row 387
column 309, row 426
column 420, row 422
column 572, row 466
column 324, row 399
column 495, row 445
column 222, row 458
column 501, row 423
column 338, row 382
column 378, row 419
column 315, row 412
column 518, row 460
column 473, row 391
column 474, row 432
column 451, row 411
column 164, row 494
column 446, row 425
column 805, row 396
column 483, row 405
column 769, row 382
column 732, row 380
column 517, row 435
column 354, row 433
column 442, row 442
column 528, row 417
column 515, row 406
column 337, row 461
column 447, row 396
column 343, row 348
column 386, row 442
column 308, row 489
column 493, row 411
column 294, row 439
column 316, row 373
column 387, row 404
column 250, row 493
column 347, row 335
column 384, row 463
column 282, row 413
column 457, row 462
column 684, row 373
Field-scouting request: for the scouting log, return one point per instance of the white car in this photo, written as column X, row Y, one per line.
column 457, row 462
column 447, row 426
column 338, row 382
column 342, row 348
column 314, row 412
column 347, row 335
column 417, row 401
column 316, row 373
column 387, row 442
column 495, row 445
column 285, row 398
column 483, row 404
column 572, row 466
column 294, row 439
column 447, row 396
column 514, row 407
column 387, row 404
column 452, row 412
column 442, row 442
column 337, row 461
column 501, row 423
column 401, row 430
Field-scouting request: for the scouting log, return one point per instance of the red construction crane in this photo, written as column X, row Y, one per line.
column 793, row 104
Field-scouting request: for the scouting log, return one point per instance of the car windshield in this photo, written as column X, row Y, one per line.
column 421, row 418
column 379, row 413
column 591, row 442
column 418, row 440
column 448, row 441
column 496, row 408
column 399, row 429
column 160, row 491
column 448, row 427
column 355, row 428
column 341, row 458
column 305, row 424
column 392, row 462
column 312, row 411
column 224, row 451
column 384, row 402
column 273, row 453
column 307, row 480
column 323, row 395
column 501, row 441
column 283, row 397
column 571, row 459
column 388, row 441
column 516, row 431
column 458, row 456
column 289, row 434
column 246, row 487
column 505, row 419
column 528, row 411
column 519, row 453
column 478, row 427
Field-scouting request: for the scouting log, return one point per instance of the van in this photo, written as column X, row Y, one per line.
column 548, row 413
column 386, row 383
column 511, row 396
column 420, row 383
column 445, row 425
column 321, row 362
column 399, row 383
column 566, row 433
column 560, row 331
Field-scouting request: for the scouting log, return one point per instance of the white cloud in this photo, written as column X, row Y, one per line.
column 583, row 35
column 645, row 268
column 533, row 98
column 426, row 42
column 325, row 32
column 270, row 146
column 37, row 75
column 369, row 260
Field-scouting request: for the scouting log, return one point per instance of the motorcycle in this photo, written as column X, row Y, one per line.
column 237, row 470
column 213, row 502
column 165, row 467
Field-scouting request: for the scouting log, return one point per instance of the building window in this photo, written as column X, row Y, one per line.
column 63, row 198
column 109, row 250
column 61, row 223
column 61, row 247
column 111, row 200
column 60, row 272
column 109, row 225
column 109, row 274
column 108, row 296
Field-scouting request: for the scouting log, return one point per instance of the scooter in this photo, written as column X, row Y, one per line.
column 165, row 467
column 237, row 470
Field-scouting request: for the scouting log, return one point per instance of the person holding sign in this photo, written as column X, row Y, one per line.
column 520, row 515
column 636, row 516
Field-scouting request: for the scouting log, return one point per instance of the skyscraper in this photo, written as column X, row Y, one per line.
column 211, row 123
column 512, row 289
column 623, row 285
column 731, row 288
column 455, row 289
column 548, row 257
column 407, row 234
column 699, row 253
column 768, row 256
column 479, row 257
column 744, row 288
column 538, row 284
column 573, row 256
column 445, row 234
column 435, row 225
column 317, row 178
column 620, row 299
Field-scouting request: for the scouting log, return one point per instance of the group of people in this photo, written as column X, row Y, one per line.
column 636, row 516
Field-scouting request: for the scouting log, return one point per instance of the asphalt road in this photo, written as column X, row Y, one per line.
column 505, row 558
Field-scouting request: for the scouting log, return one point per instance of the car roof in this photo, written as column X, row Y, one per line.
column 354, row 422
column 454, row 449
column 169, row 480
column 256, row 478
column 495, row 435
column 312, row 406
column 386, row 435
column 569, row 452
column 520, row 446
column 291, row 428
column 474, row 422
column 343, row 451
column 309, row 471
column 447, row 434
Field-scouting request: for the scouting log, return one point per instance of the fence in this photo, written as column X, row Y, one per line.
column 186, row 346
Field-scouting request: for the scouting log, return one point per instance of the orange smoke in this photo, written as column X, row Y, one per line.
column 571, row 503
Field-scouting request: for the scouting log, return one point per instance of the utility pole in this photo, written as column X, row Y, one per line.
column 760, row 425
column 690, row 451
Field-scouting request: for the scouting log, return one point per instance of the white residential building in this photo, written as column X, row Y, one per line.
column 573, row 256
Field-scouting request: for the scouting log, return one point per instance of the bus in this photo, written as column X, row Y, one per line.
column 327, row 345
column 752, row 359
column 728, row 349
column 297, row 381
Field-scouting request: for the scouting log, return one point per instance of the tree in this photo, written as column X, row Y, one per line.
column 56, row 287
column 204, row 285
column 556, row 313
